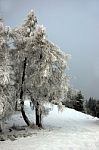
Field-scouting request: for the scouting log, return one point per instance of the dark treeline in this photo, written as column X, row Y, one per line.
column 75, row 100
column 92, row 107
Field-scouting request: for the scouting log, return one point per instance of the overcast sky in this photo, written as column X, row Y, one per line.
column 71, row 24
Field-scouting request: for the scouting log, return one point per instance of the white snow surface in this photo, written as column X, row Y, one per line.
column 67, row 130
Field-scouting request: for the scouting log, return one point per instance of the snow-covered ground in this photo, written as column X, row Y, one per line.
column 67, row 130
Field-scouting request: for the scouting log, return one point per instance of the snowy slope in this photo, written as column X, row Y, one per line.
column 67, row 130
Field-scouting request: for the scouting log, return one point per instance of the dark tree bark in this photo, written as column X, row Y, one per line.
column 21, row 96
column 0, row 128
column 16, row 106
column 38, row 115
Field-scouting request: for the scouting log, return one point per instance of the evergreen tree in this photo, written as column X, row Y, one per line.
column 78, row 102
column 92, row 107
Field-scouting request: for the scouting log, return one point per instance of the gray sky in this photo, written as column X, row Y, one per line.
column 71, row 24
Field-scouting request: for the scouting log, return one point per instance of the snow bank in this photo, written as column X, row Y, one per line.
column 67, row 130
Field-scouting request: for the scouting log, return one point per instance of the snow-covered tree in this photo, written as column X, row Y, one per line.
column 30, row 65
column 7, row 84
column 74, row 99
column 69, row 99
column 40, row 65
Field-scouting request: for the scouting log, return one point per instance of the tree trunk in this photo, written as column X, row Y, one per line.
column 38, row 115
column 16, row 106
column 21, row 96
column 0, row 127
column 24, row 115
